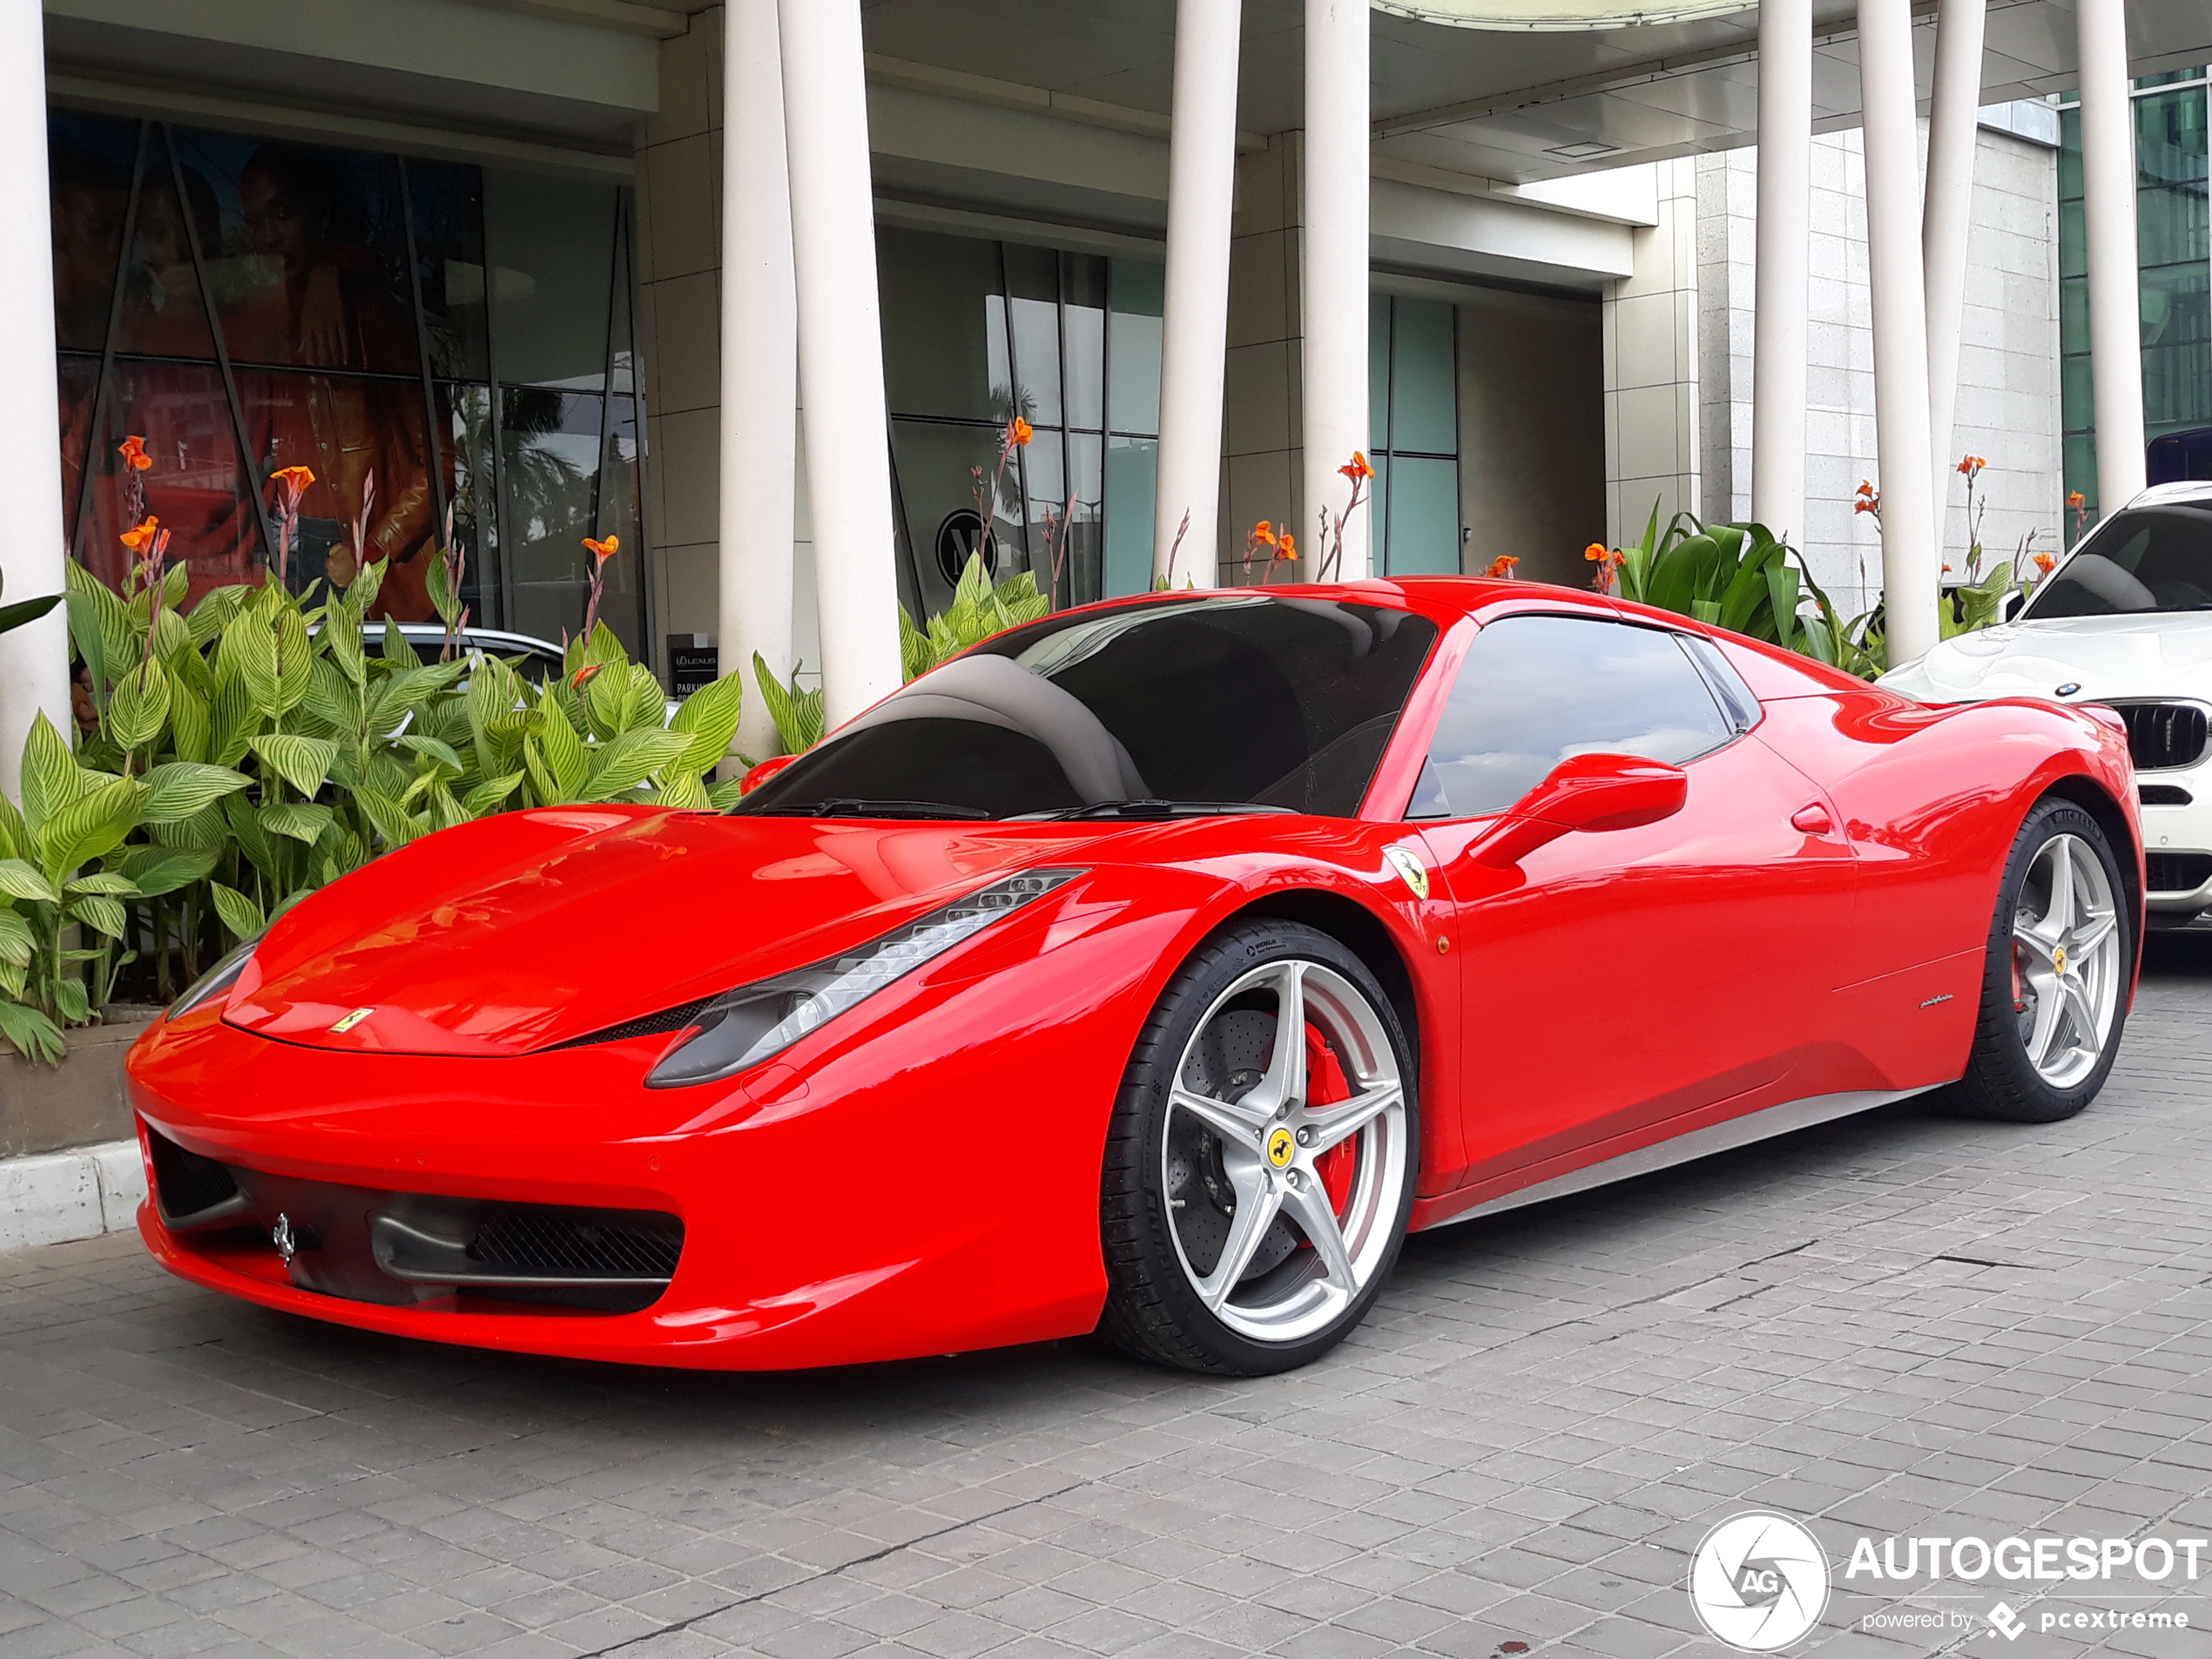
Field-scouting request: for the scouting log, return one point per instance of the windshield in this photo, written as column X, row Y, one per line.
column 2141, row 559
column 1214, row 704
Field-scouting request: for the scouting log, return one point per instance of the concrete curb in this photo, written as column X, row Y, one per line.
column 57, row 1196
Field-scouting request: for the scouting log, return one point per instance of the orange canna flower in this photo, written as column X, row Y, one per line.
column 133, row 451
column 603, row 550
column 1598, row 551
column 1289, row 545
column 583, row 676
column 136, row 539
column 1264, row 533
column 293, row 479
column 1019, row 432
column 1866, row 485
column 1946, row 569
column 2044, row 562
column 1357, row 468
column 2076, row 500
column 1503, row 565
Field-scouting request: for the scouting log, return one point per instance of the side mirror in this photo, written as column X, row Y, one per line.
column 761, row 774
column 1592, row 792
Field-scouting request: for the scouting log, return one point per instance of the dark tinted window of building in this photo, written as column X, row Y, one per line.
column 412, row 332
column 1536, row 690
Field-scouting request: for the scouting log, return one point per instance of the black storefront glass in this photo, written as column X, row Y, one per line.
column 977, row 332
column 429, row 337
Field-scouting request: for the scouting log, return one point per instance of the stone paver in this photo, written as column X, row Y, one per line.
column 1901, row 1323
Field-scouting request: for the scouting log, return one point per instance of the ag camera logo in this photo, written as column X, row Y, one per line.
column 1759, row 1583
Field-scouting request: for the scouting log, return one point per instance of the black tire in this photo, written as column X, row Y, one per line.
column 1153, row 1311
column 2001, row 1082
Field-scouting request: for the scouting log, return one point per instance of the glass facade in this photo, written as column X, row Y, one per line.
column 1413, row 413
column 428, row 337
column 977, row 332
column 2173, row 241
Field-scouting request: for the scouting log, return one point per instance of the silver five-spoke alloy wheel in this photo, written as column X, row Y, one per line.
column 2068, row 969
column 1284, row 1207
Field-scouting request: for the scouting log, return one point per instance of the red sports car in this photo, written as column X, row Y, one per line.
column 1151, row 968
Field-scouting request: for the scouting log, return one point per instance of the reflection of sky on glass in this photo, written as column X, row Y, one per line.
column 1535, row 690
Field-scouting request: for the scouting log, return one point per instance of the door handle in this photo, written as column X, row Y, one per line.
column 1812, row 820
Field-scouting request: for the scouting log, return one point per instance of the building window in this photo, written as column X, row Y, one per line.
column 977, row 332
column 2173, row 243
column 430, row 339
column 1414, row 412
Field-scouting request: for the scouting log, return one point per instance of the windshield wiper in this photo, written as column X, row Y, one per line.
column 859, row 807
column 1157, row 809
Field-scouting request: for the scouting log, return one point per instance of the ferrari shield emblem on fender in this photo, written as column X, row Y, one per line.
column 1282, row 1147
column 352, row 1020
column 1415, row 873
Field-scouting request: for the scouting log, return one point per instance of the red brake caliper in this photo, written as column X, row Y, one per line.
column 1326, row 1085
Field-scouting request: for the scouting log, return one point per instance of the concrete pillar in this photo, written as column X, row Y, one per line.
column 34, row 660
column 841, row 352
column 1911, row 567
column 760, row 366
column 2109, row 214
column 1952, row 117
column 1202, row 179
column 1784, row 243
column 1335, row 275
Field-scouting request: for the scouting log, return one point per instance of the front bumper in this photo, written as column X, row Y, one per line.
column 900, row 1189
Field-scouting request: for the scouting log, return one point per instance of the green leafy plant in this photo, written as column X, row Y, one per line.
column 797, row 712
column 264, row 749
column 980, row 609
column 15, row 616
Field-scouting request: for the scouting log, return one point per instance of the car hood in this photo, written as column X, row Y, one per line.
column 2161, row 654
column 526, row 930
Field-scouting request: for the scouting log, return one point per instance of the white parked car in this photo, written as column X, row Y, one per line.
column 2125, row 620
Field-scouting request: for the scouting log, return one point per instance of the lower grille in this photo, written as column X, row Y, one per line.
column 2163, row 795
column 398, row 1248
column 2162, row 736
column 2176, row 872
column 578, row 1242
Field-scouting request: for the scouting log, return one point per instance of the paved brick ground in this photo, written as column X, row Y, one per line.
column 1900, row 1323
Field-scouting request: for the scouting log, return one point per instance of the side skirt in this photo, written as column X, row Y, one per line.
column 1764, row 1124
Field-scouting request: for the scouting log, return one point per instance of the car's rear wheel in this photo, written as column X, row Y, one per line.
column 2054, row 987
column 1260, row 1165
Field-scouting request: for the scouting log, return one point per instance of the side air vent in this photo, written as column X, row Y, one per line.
column 2164, row 795
column 2177, row 872
column 646, row 1025
column 2162, row 736
column 191, row 1193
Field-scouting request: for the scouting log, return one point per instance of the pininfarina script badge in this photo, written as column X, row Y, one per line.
column 1410, row 867
column 352, row 1020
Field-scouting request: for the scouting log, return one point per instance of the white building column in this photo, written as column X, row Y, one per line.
column 1784, row 237
column 1910, row 568
column 1335, row 270
column 760, row 366
column 1201, row 189
column 34, row 660
column 1954, row 115
column 841, row 353
column 2109, row 216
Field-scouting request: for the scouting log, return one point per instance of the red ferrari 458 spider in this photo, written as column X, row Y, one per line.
column 1151, row 968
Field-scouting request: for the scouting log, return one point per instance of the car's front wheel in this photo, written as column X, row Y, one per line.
column 2054, row 987
column 1260, row 1165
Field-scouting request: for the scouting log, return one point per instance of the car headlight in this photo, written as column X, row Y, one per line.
column 744, row 1027
column 216, row 980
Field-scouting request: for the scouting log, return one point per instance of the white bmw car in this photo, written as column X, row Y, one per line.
column 2126, row 620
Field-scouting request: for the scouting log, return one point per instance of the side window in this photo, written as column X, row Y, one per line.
column 1535, row 690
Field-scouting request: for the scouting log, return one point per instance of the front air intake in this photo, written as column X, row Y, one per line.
column 2164, row 736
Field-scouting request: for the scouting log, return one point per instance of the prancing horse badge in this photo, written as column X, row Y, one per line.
column 1408, row 865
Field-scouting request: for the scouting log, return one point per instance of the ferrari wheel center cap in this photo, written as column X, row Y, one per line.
column 1282, row 1147
column 2058, row 959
